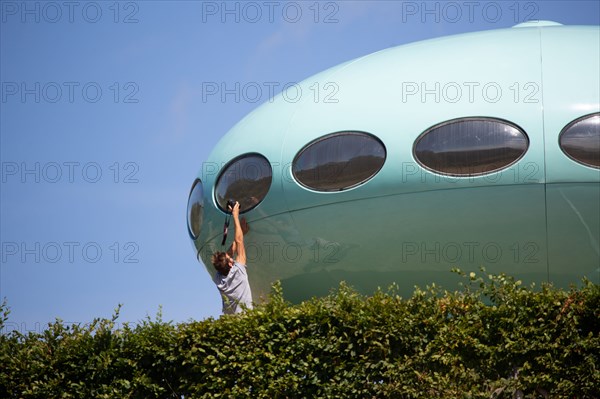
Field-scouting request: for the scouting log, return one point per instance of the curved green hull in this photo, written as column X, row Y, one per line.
column 538, row 219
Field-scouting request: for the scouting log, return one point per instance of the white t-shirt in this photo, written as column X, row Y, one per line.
column 235, row 289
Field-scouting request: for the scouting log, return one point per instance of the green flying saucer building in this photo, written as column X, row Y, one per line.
column 480, row 149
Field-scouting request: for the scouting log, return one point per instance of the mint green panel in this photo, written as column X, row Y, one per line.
column 571, row 72
column 573, row 232
column 416, row 238
column 408, row 225
column 397, row 94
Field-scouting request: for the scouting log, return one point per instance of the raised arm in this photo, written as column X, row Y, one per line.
column 233, row 247
column 238, row 242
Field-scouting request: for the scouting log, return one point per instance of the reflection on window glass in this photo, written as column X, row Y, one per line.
column 580, row 140
column 339, row 161
column 246, row 179
column 471, row 146
column 195, row 208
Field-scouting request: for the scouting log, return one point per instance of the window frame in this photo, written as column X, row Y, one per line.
column 188, row 211
column 463, row 119
column 566, row 129
column 227, row 166
column 327, row 137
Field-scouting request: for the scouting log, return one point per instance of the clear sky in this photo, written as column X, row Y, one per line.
column 109, row 108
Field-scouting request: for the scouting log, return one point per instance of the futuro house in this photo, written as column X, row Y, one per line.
column 480, row 149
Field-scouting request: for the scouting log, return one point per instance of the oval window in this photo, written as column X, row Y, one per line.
column 245, row 179
column 339, row 161
column 580, row 140
column 471, row 146
column 195, row 209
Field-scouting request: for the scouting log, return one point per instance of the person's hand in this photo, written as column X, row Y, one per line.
column 236, row 210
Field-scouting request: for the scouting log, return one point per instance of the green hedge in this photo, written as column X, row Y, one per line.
column 493, row 338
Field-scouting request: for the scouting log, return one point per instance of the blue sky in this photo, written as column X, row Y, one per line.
column 108, row 110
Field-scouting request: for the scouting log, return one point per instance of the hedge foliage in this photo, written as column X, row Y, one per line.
column 493, row 338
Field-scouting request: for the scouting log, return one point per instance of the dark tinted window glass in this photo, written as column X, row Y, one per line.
column 339, row 161
column 580, row 140
column 471, row 146
column 194, row 209
column 246, row 179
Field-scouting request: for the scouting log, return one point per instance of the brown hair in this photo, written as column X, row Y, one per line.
column 219, row 261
